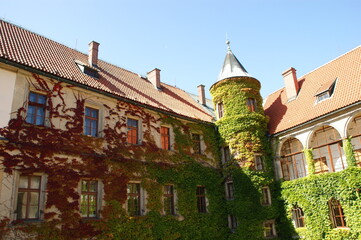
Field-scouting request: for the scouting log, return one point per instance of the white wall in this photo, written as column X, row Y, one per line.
column 7, row 85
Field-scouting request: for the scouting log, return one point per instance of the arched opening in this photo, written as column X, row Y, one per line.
column 292, row 159
column 327, row 152
column 354, row 130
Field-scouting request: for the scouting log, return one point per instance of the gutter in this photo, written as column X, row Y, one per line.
column 49, row 75
column 316, row 119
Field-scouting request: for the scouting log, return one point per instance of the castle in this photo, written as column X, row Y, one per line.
column 91, row 150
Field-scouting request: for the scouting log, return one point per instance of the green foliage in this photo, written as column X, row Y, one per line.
column 348, row 149
column 244, row 131
column 309, row 160
column 312, row 194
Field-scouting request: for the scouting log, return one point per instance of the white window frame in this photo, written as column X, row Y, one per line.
column 268, row 196
column 140, row 129
column 99, row 196
column 143, row 199
column 273, row 226
column 42, row 196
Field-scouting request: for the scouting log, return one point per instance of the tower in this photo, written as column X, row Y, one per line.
column 247, row 164
column 241, row 120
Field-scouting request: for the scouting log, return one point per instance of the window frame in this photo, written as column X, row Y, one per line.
column 220, row 110
column 88, row 193
column 165, row 138
column 259, row 162
column 92, row 119
column 132, row 196
column 170, row 196
column 232, row 222
column 36, row 105
column 251, row 104
column 28, row 198
column 229, row 190
column 226, row 154
column 298, row 217
column 270, row 224
column 335, row 204
column 133, row 129
column 201, row 199
column 197, row 143
column 266, row 199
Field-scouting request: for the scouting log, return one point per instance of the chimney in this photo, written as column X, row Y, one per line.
column 154, row 77
column 201, row 95
column 93, row 53
column 291, row 83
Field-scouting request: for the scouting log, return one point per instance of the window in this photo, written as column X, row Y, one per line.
column 336, row 214
column 89, row 198
column 165, row 138
column 133, row 201
column 298, row 217
column 232, row 222
column 293, row 164
column 266, row 196
column 269, row 229
column 252, row 104
column 36, row 109
column 91, row 122
column 258, row 162
column 220, row 110
column 230, row 190
column 325, row 91
column 168, row 200
column 196, row 138
column 132, row 134
column 201, row 199
column 28, row 201
column 90, row 71
column 226, row 154
column 321, row 165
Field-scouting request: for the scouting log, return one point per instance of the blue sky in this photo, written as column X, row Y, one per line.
column 186, row 38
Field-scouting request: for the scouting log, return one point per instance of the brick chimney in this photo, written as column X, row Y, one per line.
column 291, row 83
column 201, row 95
column 93, row 53
column 154, row 77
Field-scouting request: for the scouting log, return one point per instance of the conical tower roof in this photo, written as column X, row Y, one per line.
column 232, row 67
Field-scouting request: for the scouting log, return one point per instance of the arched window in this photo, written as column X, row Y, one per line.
column 328, row 154
column 298, row 217
column 336, row 213
column 354, row 130
column 292, row 159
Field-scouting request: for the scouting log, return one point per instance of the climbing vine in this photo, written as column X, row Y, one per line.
column 61, row 152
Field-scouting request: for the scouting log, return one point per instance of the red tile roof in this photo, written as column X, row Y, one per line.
column 32, row 50
column 346, row 69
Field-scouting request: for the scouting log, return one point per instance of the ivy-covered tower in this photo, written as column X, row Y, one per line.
column 241, row 120
column 247, row 160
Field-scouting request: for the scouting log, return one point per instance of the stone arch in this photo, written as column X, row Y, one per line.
column 328, row 154
column 292, row 159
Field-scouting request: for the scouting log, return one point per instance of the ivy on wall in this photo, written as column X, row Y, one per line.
column 312, row 194
column 66, row 156
column 245, row 133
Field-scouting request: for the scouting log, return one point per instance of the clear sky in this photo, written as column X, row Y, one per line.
column 186, row 38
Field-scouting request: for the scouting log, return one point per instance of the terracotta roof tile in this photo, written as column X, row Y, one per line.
column 346, row 69
column 32, row 50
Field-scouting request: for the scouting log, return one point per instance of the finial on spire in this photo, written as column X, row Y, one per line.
column 228, row 44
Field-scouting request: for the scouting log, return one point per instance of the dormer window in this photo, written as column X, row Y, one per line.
column 325, row 91
column 90, row 71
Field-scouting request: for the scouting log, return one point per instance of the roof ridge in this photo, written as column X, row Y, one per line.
column 299, row 78
column 64, row 45
column 359, row 46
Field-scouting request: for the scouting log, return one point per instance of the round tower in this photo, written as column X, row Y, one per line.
column 241, row 120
